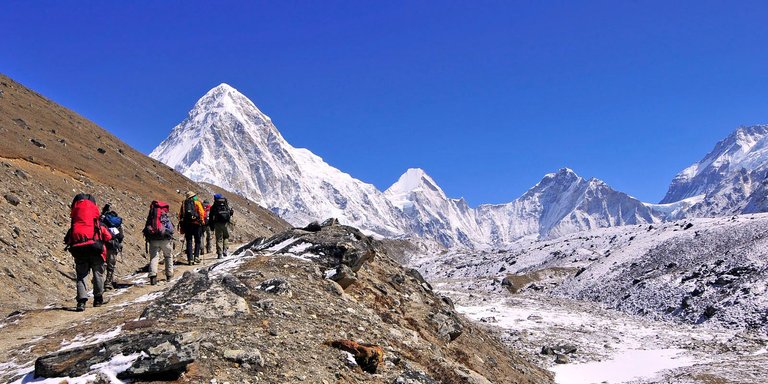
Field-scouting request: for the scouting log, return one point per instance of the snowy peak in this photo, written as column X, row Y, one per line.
column 415, row 180
column 746, row 148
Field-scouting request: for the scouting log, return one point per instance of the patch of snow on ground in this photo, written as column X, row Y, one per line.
column 625, row 366
column 81, row 340
column 282, row 245
column 118, row 364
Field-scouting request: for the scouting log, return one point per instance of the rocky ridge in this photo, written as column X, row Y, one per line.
column 275, row 313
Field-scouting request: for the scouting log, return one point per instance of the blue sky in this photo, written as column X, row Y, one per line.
column 486, row 96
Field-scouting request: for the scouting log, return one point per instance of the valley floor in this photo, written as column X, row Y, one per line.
column 613, row 347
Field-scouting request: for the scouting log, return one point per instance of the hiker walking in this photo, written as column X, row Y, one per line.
column 221, row 214
column 85, row 241
column 158, row 233
column 207, row 228
column 191, row 222
column 114, row 223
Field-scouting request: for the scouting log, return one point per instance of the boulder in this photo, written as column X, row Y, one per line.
column 560, row 349
column 448, row 325
column 12, row 199
column 330, row 222
column 252, row 357
column 344, row 276
column 158, row 354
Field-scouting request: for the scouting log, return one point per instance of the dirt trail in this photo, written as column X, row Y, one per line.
column 31, row 332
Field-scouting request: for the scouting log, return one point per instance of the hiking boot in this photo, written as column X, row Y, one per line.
column 169, row 277
column 98, row 301
column 219, row 256
column 153, row 280
column 80, row 306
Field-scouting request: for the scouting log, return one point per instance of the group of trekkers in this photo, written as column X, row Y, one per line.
column 95, row 239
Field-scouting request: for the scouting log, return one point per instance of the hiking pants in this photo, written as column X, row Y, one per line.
column 222, row 234
column 86, row 261
column 111, row 262
column 155, row 247
column 208, row 238
column 193, row 232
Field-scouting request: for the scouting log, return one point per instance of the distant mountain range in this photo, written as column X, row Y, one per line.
column 226, row 140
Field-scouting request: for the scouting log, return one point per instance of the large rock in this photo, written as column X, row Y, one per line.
column 448, row 325
column 329, row 246
column 158, row 354
column 203, row 297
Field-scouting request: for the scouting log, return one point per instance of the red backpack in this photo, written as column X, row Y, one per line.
column 158, row 226
column 85, row 228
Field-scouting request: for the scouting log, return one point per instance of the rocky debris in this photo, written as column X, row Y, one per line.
column 101, row 150
column 562, row 359
column 367, row 356
column 12, row 199
column 415, row 377
column 38, row 143
column 203, row 297
column 157, row 354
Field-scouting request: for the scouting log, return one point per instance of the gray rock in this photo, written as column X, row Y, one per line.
column 344, row 276
column 251, row 357
column 12, row 199
column 558, row 349
column 164, row 354
column 276, row 286
column 448, row 325
column 562, row 359
column 330, row 222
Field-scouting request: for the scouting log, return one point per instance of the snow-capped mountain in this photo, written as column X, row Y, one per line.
column 562, row 203
column 728, row 180
column 226, row 140
column 431, row 214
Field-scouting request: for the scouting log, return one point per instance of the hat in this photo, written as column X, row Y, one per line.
column 190, row 194
column 217, row 196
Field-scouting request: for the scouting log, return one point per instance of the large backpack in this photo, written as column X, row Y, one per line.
column 190, row 214
column 112, row 220
column 159, row 225
column 220, row 211
column 85, row 228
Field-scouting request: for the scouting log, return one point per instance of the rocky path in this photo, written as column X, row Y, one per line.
column 32, row 331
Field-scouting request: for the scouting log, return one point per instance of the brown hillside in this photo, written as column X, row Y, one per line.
column 47, row 155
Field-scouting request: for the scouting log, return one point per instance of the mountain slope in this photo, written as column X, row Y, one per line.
column 226, row 140
column 47, row 155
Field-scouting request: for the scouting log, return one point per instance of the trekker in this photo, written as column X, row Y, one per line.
column 207, row 227
column 114, row 223
column 191, row 221
column 221, row 214
column 85, row 241
column 158, row 232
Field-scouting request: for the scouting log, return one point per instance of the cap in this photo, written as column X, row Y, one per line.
column 190, row 194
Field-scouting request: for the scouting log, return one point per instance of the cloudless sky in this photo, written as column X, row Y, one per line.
column 486, row 96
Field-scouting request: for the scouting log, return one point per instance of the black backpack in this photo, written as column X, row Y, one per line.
column 220, row 211
column 190, row 215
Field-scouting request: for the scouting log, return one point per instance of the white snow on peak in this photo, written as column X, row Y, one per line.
column 728, row 179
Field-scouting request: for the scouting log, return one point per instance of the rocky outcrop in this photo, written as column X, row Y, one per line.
column 148, row 355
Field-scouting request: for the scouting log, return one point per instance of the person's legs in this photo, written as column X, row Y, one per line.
column 111, row 262
column 165, row 246
column 208, row 230
column 188, row 235
column 154, row 259
column 98, row 265
column 82, row 269
column 219, row 240
column 198, row 235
